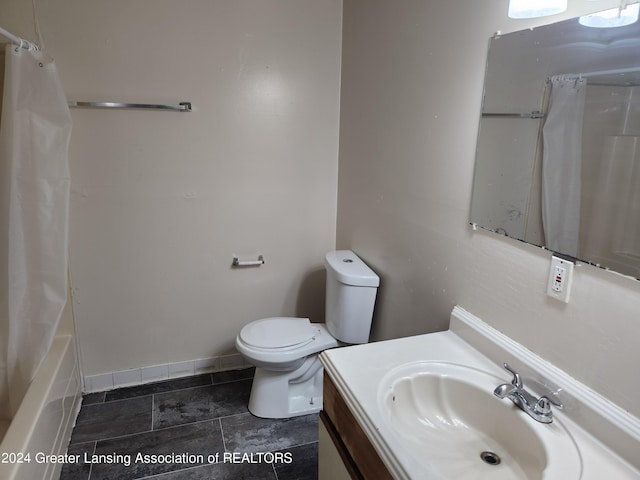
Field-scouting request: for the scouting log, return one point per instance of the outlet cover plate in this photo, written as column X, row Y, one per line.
column 560, row 279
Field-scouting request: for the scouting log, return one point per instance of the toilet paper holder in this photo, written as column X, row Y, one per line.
column 247, row 263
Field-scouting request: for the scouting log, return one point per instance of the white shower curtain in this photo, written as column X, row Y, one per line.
column 612, row 229
column 562, row 164
column 35, row 128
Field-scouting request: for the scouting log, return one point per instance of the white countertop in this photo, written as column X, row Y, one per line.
column 357, row 371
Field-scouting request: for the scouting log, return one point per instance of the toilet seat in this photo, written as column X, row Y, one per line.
column 311, row 337
column 278, row 332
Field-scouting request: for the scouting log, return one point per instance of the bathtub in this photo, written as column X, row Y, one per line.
column 43, row 423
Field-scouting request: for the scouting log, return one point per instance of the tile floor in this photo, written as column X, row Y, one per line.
column 192, row 428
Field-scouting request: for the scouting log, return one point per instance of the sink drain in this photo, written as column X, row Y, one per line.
column 490, row 458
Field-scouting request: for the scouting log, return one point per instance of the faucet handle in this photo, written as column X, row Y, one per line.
column 516, row 381
column 543, row 406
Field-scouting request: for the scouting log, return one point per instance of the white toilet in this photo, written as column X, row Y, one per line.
column 288, row 377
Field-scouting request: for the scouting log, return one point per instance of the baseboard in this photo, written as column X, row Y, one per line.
column 155, row 373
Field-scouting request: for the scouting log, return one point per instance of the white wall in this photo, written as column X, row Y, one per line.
column 162, row 200
column 412, row 79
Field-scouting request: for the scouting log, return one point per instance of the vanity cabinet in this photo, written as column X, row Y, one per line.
column 345, row 452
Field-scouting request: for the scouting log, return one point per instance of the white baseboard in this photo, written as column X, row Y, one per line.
column 155, row 373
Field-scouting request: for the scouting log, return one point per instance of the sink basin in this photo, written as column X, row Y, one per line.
column 447, row 420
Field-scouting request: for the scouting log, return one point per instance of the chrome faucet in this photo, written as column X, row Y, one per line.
column 537, row 408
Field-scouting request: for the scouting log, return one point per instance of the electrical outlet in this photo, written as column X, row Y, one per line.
column 560, row 277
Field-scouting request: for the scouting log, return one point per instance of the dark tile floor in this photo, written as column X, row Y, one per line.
column 193, row 428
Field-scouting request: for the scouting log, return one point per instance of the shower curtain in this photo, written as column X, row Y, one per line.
column 35, row 128
column 612, row 229
column 562, row 164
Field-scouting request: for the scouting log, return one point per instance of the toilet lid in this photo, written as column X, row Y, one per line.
column 277, row 332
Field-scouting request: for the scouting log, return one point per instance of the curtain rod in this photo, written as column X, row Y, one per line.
column 17, row 40
column 610, row 72
column 598, row 73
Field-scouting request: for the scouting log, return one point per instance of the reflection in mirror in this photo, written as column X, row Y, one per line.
column 558, row 156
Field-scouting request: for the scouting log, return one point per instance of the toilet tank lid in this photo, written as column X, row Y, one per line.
column 349, row 269
column 277, row 332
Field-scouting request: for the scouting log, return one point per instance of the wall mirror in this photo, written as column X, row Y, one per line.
column 558, row 154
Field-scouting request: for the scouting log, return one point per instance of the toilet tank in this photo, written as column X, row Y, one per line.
column 350, row 296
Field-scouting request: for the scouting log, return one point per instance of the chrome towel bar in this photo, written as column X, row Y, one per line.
column 181, row 107
column 534, row 115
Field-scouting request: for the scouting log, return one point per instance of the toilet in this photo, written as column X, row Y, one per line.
column 288, row 376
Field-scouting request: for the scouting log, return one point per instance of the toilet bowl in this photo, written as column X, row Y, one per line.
column 288, row 377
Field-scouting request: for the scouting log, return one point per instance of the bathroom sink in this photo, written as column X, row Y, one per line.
column 446, row 419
